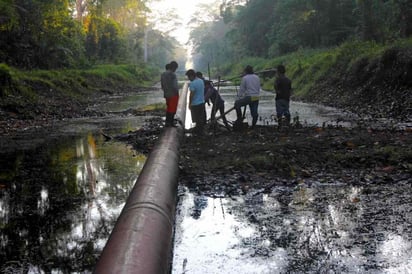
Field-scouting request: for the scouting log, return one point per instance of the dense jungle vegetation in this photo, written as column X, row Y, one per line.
column 330, row 47
column 267, row 28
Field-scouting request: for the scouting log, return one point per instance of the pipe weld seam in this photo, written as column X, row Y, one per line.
column 152, row 206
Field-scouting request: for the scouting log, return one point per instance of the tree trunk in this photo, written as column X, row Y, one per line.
column 80, row 7
column 367, row 20
column 405, row 12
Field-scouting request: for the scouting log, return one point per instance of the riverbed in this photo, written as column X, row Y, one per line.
column 61, row 192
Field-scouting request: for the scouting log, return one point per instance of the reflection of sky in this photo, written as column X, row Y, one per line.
column 132, row 101
column 210, row 244
column 312, row 229
column 311, row 114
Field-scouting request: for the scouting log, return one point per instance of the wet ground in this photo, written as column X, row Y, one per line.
column 63, row 186
column 321, row 228
column 311, row 199
column 330, row 194
column 307, row 200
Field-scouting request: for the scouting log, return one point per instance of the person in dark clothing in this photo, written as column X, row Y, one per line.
column 212, row 95
column 168, row 81
column 283, row 89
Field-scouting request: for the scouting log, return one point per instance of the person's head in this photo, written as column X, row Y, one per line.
column 191, row 74
column 248, row 69
column 199, row 75
column 167, row 67
column 173, row 66
column 281, row 69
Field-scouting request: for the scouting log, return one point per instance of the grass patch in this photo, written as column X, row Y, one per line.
column 72, row 82
column 305, row 67
column 152, row 107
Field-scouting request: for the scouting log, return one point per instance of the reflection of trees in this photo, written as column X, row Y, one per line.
column 59, row 206
column 199, row 203
column 32, row 216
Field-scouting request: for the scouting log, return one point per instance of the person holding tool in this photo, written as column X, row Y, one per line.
column 168, row 81
column 249, row 92
column 197, row 101
column 212, row 94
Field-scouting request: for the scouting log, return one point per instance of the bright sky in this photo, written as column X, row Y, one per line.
column 184, row 8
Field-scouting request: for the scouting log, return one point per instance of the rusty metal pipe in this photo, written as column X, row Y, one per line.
column 141, row 240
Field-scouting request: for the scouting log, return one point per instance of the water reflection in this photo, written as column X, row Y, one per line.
column 308, row 114
column 59, row 202
column 321, row 228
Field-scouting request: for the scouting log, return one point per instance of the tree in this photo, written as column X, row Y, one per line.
column 35, row 29
column 368, row 22
column 405, row 17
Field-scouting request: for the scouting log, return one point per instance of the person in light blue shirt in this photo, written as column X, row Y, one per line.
column 197, row 101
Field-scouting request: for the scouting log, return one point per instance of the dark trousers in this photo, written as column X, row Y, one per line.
column 198, row 116
column 253, row 106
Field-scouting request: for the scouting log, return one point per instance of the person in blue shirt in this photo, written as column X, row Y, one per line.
column 197, row 101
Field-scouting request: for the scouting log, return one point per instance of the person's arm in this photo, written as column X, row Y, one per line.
column 175, row 84
column 190, row 97
column 276, row 86
column 242, row 87
column 208, row 94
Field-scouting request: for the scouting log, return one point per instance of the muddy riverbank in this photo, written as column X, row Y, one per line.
column 245, row 169
column 303, row 200
column 234, row 162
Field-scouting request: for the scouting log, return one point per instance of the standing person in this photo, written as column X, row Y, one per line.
column 283, row 88
column 200, row 75
column 168, row 81
column 197, row 101
column 249, row 92
column 211, row 94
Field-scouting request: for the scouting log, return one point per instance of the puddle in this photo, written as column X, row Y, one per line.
column 61, row 192
column 59, row 203
column 308, row 114
column 318, row 229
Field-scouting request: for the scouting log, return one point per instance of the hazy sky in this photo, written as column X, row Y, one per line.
column 184, row 8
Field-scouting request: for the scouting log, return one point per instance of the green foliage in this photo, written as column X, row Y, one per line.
column 5, row 79
column 152, row 107
column 267, row 28
column 39, row 34
column 127, row 74
column 305, row 67
column 76, row 83
column 104, row 40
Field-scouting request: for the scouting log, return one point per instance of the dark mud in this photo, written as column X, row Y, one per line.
column 228, row 163
column 19, row 114
column 232, row 163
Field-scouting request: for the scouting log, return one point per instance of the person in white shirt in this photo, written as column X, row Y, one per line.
column 248, row 95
